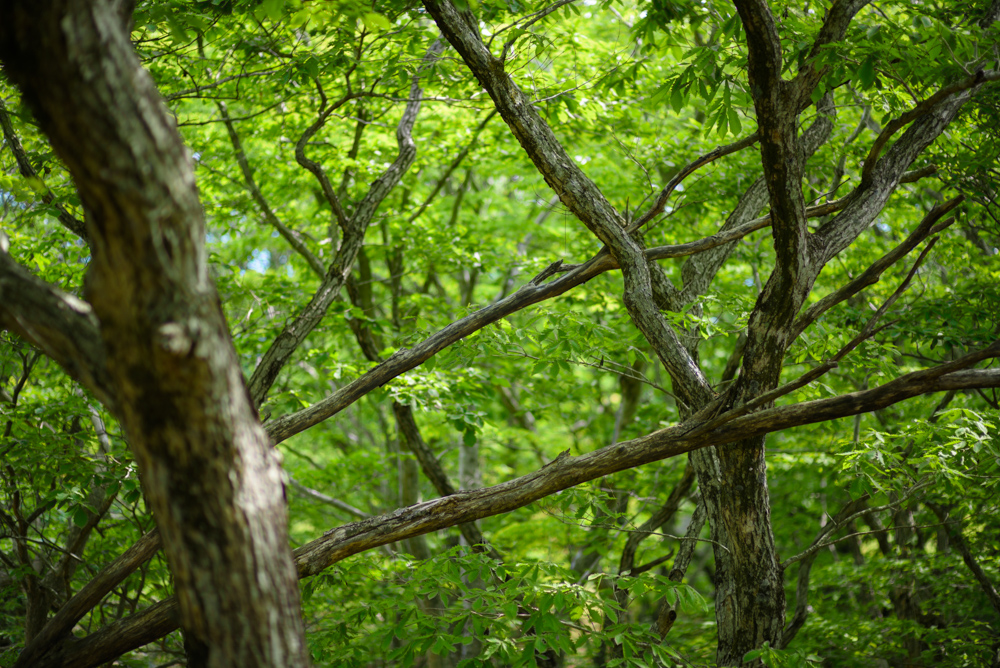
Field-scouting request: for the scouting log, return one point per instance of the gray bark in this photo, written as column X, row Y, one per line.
column 169, row 367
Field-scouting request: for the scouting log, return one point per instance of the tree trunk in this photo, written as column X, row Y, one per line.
column 750, row 594
column 206, row 464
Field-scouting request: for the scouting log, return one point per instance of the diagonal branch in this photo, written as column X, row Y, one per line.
column 329, row 500
column 62, row 623
column 661, row 200
column 954, row 529
column 813, row 374
column 923, row 108
column 871, row 195
column 57, row 323
column 295, row 332
column 835, row 25
column 452, row 167
column 533, row 292
column 66, row 219
column 566, row 471
column 580, row 195
column 293, row 237
column 872, row 274
column 563, row 472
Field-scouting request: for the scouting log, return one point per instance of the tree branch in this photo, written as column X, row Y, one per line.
column 57, row 323
column 65, row 218
column 561, row 473
column 293, row 237
column 872, row 274
column 954, row 529
column 61, row 625
column 661, row 200
column 405, row 359
column 295, row 332
column 924, row 107
column 580, row 195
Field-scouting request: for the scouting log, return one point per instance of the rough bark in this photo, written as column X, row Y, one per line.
column 212, row 479
column 580, row 195
column 172, row 338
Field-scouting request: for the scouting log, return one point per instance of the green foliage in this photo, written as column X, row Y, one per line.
column 635, row 91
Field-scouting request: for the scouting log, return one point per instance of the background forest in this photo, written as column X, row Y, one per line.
column 417, row 311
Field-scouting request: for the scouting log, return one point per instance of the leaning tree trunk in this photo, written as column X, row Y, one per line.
column 207, row 467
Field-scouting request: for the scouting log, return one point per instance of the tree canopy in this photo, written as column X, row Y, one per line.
column 586, row 332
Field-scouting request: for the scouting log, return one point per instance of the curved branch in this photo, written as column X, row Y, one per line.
column 288, row 341
column 954, row 529
column 406, row 359
column 872, row 274
column 626, row 565
column 62, row 623
column 580, row 195
column 293, row 237
column 661, row 200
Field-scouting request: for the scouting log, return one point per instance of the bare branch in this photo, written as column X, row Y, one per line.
column 954, row 529
column 61, row 625
column 924, row 107
column 580, row 195
column 562, row 473
column 661, row 200
column 566, row 471
column 690, row 541
column 329, row 500
column 406, row 359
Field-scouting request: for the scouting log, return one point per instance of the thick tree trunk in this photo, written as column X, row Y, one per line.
column 206, row 464
column 750, row 595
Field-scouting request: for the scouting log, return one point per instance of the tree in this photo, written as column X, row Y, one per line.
column 742, row 329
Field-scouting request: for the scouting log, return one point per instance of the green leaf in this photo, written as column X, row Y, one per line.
column 80, row 516
column 273, row 9
column 677, row 99
column 374, row 21
column 866, row 73
column 734, row 122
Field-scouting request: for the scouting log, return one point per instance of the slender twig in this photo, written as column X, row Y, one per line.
column 818, row 543
column 661, row 201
